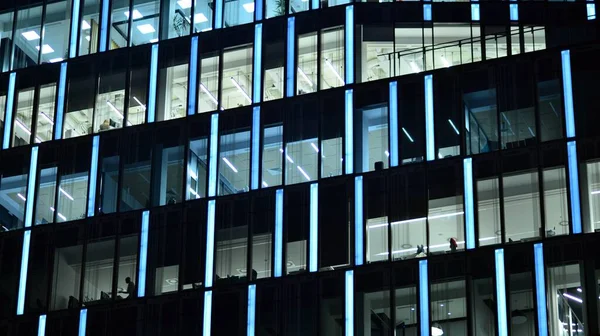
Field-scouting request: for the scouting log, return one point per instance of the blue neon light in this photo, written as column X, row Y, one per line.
column 192, row 92
column 60, row 104
column 514, row 12
column 143, row 253
column 574, row 186
column 219, row 14
column 315, row 4
column 23, row 275
column 210, row 244
column 251, row 309
column 278, row 232
column 568, row 92
column 74, row 29
column 349, row 42
column 501, row 293
column 358, row 221
column 349, row 304
column 469, row 207
column 258, row 9
column 394, row 124
column 349, row 123
column 314, row 227
column 93, row 176
column 475, row 12
column 256, row 72
column 207, row 313
column 104, row 26
column 427, row 12
column 9, row 110
column 212, row 160
column 153, row 79
column 291, row 69
column 31, row 186
column 42, row 325
column 540, row 289
column 255, row 148
column 424, row 298
column 429, row 129
column 591, row 11
column 82, row 322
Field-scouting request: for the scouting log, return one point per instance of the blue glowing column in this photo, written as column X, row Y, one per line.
column 93, row 176
column 349, row 128
column 251, row 309
column 501, row 293
column 429, row 129
column 213, row 155
column 358, row 221
column 514, row 11
column 591, row 10
column 219, row 14
column 82, row 322
column 256, row 71
column 349, row 42
column 60, row 102
column 104, row 25
column 469, row 202
column 349, row 303
column 255, row 148
column 540, row 289
column 574, row 186
column 153, row 81
column 192, row 91
column 143, row 253
column 394, row 124
column 424, row 298
column 10, row 98
column 278, row 259
column 568, row 92
column 258, row 10
column 31, row 186
column 475, row 12
column 313, row 244
column 210, row 244
column 42, row 325
column 207, row 313
column 23, row 274
column 74, row 29
column 291, row 58
column 427, row 12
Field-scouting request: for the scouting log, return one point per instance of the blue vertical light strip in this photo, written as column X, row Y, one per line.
column 143, row 254
column 349, row 42
column 153, row 79
column 574, row 186
column 424, row 298
column 74, row 29
column 501, row 293
column 9, row 110
column 568, row 92
column 315, row 4
column 427, row 12
column 314, row 228
column 258, row 9
column 540, row 289
column 60, row 103
column 475, row 12
column 591, row 10
column 93, row 176
column 23, row 275
column 278, row 259
column 251, row 309
column 207, row 313
column 255, row 171
column 219, row 14
column 31, row 186
column 256, row 71
column 514, row 12
column 41, row 326
column 358, row 221
column 394, row 124
column 349, row 303
column 210, row 244
column 193, row 92
column 291, row 58
column 104, row 26
column 429, row 130
column 82, row 322
column 212, row 156
column 349, row 124
column 469, row 202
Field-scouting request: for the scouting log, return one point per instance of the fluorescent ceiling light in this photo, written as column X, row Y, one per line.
column 414, row 67
column 334, row 71
column 31, row 35
column 287, row 156
column 210, row 95
column 445, row 61
column 237, row 85
column 185, row 4
column 46, row 117
column 453, row 126
column 21, row 197
column 199, row 18
column 579, row 290
column 85, row 25
column 574, row 298
column 136, row 14
column 193, row 192
column 112, row 107
column 62, row 216
column 66, row 194
column 230, row 165
column 154, row 40
column 265, row 184
column 193, row 174
column 46, row 49
column 303, row 173
column 314, row 147
column 305, row 77
column 88, row 38
column 55, row 60
column 387, row 153
column 22, row 126
column 595, row 192
column 146, row 28
column 139, row 103
column 206, row 29
column 249, row 7
column 407, row 135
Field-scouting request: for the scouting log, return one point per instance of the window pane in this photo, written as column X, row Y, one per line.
column 406, row 299
column 238, row 12
column 521, row 298
column 127, row 258
column 68, row 257
column 487, row 191
column 296, row 222
column 375, row 210
column 408, row 48
column 272, row 142
column 306, row 78
column 80, row 101
column 273, row 61
column 164, row 252
column 179, row 14
column 137, row 156
column 145, row 21
column 567, row 311
column 89, row 27
column 6, row 24
column 197, row 159
column 23, row 118
column 172, row 83
column 119, row 24
column 263, row 222
column 13, row 184
column 482, row 294
column 480, row 108
column 411, row 121
column 99, row 263
column 138, row 87
column 332, row 58
column 167, row 165
column 521, row 205
column 591, row 195
column 39, row 271
column 203, row 16
column 110, row 99
column 376, row 50
column 371, row 138
column 192, row 275
column 302, row 143
column 27, row 37
column 274, row 8
column 57, row 20
column 109, row 161
column 334, row 236
column 237, row 77
column 372, row 303
column 332, row 115
column 231, row 241
column 46, row 195
column 73, row 183
column 209, row 83
column 446, row 216
column 234, row 153
column 556, row 212
column 449, row 307
column 45, row 118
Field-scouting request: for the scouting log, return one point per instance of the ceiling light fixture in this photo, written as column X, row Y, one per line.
column 31, row 35
column 88, row 38
column 193, row 192
column 453, row 127
column 445, row 62
column 46, row 117
column 249, row 7
column 210, row 95
column 414, row 67
column 136, row 14
column 303, row 173
column 436, row 330
column 139, row 103
column 334, row 71
column 46, row 49
column 407, row 135
column 237, row 85
column 21, row 197
column 185, row 4
column 305, row 77
column 146, row 28
column 66, row 194
column 154, row 40
column 55, row 60
column 574, row 298
column 112, row 107
column 314, row 147
column 85, row 25
column 230, row 165
column 287, row 156
column 264, row 184
column 200, row 18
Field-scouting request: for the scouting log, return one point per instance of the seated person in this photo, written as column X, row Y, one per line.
column 130, row 288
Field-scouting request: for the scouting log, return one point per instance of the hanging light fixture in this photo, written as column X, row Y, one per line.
column 436, row 330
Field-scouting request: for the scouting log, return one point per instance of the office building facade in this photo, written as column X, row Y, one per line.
column 301, row 167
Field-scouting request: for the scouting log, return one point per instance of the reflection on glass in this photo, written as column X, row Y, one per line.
column 238, row 12
column 168, row 172
column 203, row 16
column 406, row 310
column 6, row 29
column 275, row 8
column 110, row 102
column 332, row 58
column 45, row 117
column 109, row 180
column 45, row 197
column 521, row 206
column 301, row 156
column 180, row 17
column 23, row 118
column 306, row 77
column 273, row 70
column 80, row 106
column 67, row 274
column 237, row 77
